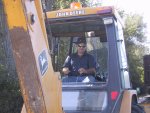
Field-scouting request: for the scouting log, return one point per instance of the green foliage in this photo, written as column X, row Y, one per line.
column 62, row 4
column 10, row 96
column 63, row 52
column 121, row 13
column 134, row 33
column 135, row 27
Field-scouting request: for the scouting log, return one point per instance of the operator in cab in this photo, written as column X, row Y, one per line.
column 79, row 66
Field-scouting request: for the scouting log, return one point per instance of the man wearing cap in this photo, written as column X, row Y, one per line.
column 80, row 65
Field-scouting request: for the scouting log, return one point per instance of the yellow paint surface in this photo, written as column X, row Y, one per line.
column 17, row 12
column 14, row 14
column 82, row 11
column 38, row 6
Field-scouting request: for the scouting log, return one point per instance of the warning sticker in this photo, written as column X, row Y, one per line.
column 43, row 63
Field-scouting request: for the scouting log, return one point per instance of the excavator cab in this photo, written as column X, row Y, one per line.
column 104, row 36
column 39, row 63
column 97, row 48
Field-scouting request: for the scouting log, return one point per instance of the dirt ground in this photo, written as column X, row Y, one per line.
column 147, row 108
column 146, row 103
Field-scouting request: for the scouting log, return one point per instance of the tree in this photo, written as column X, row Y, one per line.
column 62, row 4
column 134, row 34
column 135, row 28
column 10, row 95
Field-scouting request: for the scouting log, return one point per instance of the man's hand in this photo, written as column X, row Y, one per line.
column 82, row 71
column 87, row 71
column 66, row 70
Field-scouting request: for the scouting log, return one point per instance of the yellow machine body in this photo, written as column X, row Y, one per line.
column 40, row 85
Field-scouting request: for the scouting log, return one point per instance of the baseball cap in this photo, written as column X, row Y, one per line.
column 81, row 40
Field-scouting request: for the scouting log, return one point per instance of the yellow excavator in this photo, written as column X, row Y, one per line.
column 39, row 58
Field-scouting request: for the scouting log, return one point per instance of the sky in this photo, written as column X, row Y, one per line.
column 141, row 7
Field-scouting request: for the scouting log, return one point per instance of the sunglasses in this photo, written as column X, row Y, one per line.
column 81, row 46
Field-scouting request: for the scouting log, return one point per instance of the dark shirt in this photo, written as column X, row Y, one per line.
column 75, row 62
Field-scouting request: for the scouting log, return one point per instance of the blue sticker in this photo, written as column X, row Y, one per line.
column 43, row 63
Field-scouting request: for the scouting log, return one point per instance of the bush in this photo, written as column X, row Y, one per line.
column 10, row 95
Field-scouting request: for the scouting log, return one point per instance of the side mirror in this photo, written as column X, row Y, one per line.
column 138, row 90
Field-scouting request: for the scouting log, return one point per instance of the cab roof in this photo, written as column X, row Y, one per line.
column 80, row 12
column 77, row 21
